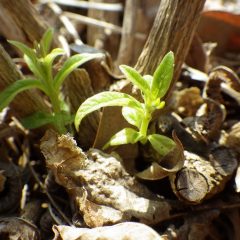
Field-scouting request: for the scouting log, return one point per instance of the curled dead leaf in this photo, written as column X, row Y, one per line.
column 208, row 121
column 232, row 139
column 222, row 80
column 167, row 165
column 99, row 186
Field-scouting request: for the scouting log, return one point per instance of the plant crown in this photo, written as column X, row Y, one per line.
column 153, row 89
column 40, row 61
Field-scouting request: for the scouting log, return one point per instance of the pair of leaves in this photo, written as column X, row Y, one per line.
column 156, row 86
column 162, row 144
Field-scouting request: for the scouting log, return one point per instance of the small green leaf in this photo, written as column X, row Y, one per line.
column 46, row 41
column 71, row 64
column 135, row 77
column 30, row 58
column 161, row 144
column 162, row 76
column 8, row 94
column 37, row 119
column 48, row 61
column 52, row 55
column 125, row 136
column 40, row 119
column 133, row 116
column 105, row 99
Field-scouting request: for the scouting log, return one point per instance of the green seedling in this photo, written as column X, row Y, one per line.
column 153, row 89
column 40, row 61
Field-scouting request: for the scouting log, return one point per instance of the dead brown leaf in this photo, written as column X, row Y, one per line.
column 167, row 165
column 18, row 229
column 99, row 185
column 121, row 231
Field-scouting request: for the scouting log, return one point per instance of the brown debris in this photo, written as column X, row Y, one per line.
column 164, row 166
column 102, row 181
column 187, row 101
column 18, row 229
column 200, row 179
column 121, row 231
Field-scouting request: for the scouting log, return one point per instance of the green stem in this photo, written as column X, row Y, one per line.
column 145, row 123
column 56, row 105
column 53, row 95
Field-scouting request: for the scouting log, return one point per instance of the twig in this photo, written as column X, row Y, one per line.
column 125, row 53
column 112, row 7
column 98, row 23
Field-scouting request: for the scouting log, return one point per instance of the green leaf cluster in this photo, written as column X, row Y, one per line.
column 40, row 60
column 153, row 89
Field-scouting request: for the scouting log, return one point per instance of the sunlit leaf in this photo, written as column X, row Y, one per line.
column 162, row 144
column 125, row 136
column 8, row 94
column 71, row 64
column 162, row 76
column 135, row 77
column 105, row 99
column 46, row 41
column 133, row 116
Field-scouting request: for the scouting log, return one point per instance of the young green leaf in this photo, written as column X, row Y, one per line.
column 48, row 61
column 161, row 144
column 46, row 41
column 71, row 64
column 137, row 80
column 39, row 119
column 105, row 99
column 133, row 116
column 8, row 94
column 125, row 136
column 30, row 58
column 162, row 76
column 52, row 55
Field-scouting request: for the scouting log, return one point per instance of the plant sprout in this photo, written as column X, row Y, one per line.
column 40, row 61
column 153, row 89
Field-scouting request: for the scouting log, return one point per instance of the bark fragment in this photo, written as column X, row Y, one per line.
column 200, row 178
